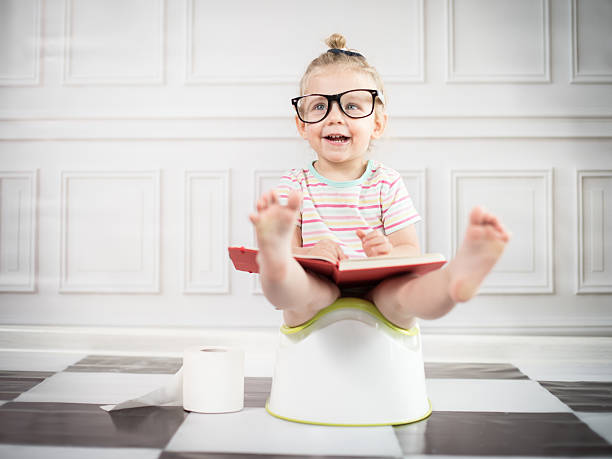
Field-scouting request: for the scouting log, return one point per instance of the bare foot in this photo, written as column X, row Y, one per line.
column 274, row 226
column 484, row 242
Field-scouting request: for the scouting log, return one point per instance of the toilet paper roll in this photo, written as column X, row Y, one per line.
column 213, row 379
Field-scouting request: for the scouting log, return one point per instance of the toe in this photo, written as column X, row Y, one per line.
column 476, row 215
column 294, row 200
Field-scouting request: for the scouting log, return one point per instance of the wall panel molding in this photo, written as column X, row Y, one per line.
column 416, row 184
column 592, row 27
column 466, row 64
column 19, row 128
column 594, row 231
column 18, row 230
column 523, row 201
column 21, row 38
column 135, row 58
column 110, row 235
column 206, row 232
column 404, row 21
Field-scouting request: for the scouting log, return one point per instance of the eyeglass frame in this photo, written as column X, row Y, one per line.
column 336, row 97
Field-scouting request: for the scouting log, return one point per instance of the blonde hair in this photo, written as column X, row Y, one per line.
column 349, row 59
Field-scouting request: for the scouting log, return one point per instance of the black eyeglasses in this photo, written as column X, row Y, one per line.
column 356, row 103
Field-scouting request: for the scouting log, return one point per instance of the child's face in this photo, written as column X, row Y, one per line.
column 357, row 132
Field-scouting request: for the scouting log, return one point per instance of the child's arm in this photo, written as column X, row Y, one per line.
column 401, row 243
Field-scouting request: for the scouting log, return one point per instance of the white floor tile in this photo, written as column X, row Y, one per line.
column 567, row 371
column 37, row 361
column 598, row 422
column 254, row 430
column 520, row 396
column 65, row 452
column 427, row 456
column 96, row 388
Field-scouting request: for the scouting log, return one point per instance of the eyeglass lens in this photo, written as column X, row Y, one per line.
column 355, row 104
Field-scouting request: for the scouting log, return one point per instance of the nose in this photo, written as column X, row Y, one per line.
column 335, row 113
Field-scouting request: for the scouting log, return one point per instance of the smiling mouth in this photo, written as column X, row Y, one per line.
column 337, row 138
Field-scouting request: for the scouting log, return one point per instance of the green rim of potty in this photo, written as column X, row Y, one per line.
column 391, row 423
column 351, row 303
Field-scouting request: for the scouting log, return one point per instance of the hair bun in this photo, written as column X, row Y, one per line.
column 336, row 41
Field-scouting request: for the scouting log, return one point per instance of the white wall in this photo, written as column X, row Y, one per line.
column 136, row 134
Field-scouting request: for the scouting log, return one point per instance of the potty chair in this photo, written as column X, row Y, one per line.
column 349, row 366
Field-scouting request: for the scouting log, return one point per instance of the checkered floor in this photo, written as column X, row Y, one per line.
column 51, row 409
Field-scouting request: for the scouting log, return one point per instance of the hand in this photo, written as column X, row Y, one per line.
column 374, row 243
column 328, row 249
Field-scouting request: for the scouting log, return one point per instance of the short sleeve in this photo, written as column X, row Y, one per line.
column 398, row 210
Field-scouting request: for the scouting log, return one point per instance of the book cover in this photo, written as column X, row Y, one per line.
column 353, row 271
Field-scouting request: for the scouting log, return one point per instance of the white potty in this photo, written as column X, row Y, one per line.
column 349, row 366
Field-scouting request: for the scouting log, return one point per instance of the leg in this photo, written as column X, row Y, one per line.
column 285, row 284
column 433, row 295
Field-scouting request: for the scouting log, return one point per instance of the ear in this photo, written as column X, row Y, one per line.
column 301, row 126
column 380, row 123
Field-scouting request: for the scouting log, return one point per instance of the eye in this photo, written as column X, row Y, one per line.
column 319, row 106
column 351, row 106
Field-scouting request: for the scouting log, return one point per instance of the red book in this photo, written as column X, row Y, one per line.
column 352, row 271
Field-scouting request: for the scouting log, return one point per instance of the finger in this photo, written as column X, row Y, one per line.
column 377, row 242
column 361, row 234
column 382, row 249
column 374, row 234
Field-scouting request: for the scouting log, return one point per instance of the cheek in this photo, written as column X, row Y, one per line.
column 308, row 132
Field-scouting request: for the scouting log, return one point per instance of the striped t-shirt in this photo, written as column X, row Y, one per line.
column 378, row 200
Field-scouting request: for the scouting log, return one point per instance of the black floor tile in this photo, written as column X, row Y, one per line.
column 72, row 424
column 501, row 434
column 255, row 400
column 14, row 383
column 436, row 370
column 257, row 385
column 587, row 396
column 256, row 391
column 126, row 364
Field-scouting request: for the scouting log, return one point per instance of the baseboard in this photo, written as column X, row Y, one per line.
column 143, row 341
column 261, row 343
column 591, row 331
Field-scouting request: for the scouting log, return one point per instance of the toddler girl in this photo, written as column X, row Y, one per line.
column 343, row 205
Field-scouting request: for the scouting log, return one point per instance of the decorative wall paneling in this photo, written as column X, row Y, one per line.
column 591, row 58
column 20, row 38
column 240, row 61
column 416, row 184
column 595, row 231
column 18, row 230
column 100, row 100
column 523, row 201
column 282, row 127
column 133, row 54
column 207, row 207
column 495, row 41
column 110, row 232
